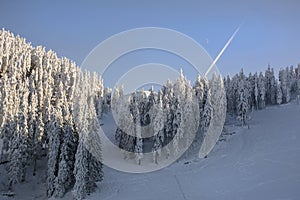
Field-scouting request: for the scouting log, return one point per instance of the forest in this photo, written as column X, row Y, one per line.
column 50, row 110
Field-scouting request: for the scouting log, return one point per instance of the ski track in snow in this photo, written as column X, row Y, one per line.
column 262, row 162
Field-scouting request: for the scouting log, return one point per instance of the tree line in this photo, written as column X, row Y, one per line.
column 181, row 114
column 256, row 91
column 177, row 117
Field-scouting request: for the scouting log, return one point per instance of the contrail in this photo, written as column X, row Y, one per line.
column 222, row 51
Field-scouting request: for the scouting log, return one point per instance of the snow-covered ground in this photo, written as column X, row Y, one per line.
column 262, row 162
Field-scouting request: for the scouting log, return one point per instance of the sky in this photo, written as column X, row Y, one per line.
column 269, row 32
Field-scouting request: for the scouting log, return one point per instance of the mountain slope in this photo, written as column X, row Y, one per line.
column 262, row 162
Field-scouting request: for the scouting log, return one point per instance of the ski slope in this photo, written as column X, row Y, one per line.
column 262, row 162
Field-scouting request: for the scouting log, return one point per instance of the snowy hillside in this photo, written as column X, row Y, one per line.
column 262, row 162
column 257, row 163
column 53, row 146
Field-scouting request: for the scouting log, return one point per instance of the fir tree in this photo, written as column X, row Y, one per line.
column 158, row 138
column 279, row 94
column 53, row 152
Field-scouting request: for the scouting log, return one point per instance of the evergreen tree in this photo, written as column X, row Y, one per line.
column 207, row 113
column 199, row 92
column 138, row 149
column 15, row 169
column 273, row 88
column 191, row 115
column 284, row 83
column 242, row 107
column 262, row 91
column 53, row 152
column 81, row 171
column 279, row 94
column 65, row 177
column 242, row 101
column 158, row 138
column 268, row 85
column 88, row 167
column 256, row 91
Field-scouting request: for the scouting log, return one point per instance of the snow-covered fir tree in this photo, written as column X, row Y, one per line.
column 158, row 123
column 242, row 106
column 138, row 148
column 242, row 100
column 278, row 94
column 262, row 91
column 88, row 166
column 191, row 116
column 207, row 113
column 53, row 151
column 65, row 177
column 256, row 94
column 81, row 188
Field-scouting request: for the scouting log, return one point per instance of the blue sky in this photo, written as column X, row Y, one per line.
column 270, row 33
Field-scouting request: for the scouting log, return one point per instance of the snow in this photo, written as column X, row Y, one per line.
column 262, row 162
column 33, row 188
